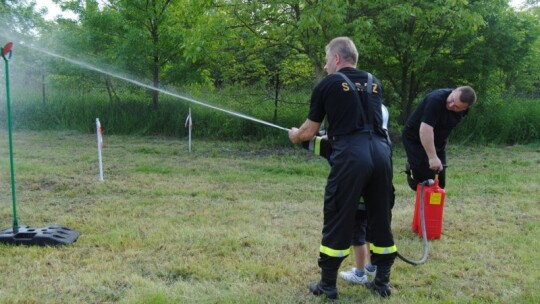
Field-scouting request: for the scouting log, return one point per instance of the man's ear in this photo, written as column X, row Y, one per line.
column 337, row 57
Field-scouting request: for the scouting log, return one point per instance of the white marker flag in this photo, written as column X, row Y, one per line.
column 189, row 123
column 100, row 146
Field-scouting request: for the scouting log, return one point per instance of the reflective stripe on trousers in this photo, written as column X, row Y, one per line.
column 382, row 250
column 336, row 253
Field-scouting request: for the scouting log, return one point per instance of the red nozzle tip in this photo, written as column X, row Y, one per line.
column 7, row 48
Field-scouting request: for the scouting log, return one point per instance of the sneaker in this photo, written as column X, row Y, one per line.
column 370, row 269
column 352, row 277
column 383, row 290
column 317, row 289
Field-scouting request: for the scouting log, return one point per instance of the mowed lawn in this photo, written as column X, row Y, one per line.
column 240, row 222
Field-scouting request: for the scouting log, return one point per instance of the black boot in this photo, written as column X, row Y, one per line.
column 381, row 283
column 326, row 286
column 319, row 289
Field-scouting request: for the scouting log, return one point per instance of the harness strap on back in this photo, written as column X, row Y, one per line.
column 369, row 90
column 368, row 125
column 369, row 83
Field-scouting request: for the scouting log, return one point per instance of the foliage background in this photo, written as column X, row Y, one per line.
column 263, row 58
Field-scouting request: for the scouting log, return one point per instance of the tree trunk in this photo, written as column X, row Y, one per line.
column 43, row 95
column 110, row 89
column 319, row 73
column 154, row 33
column 277, row 86
column 155, row 82
column 155, row 69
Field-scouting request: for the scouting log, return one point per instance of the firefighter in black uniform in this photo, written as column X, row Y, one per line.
column 427, row 130
column 361, row 165
column 320, row 146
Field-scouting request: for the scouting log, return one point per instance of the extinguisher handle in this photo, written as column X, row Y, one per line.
column 439, row 171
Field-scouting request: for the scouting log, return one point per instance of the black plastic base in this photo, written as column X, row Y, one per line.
column 46, row 236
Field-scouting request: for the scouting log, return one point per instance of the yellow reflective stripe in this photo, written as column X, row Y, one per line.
column 335, row 252
column 317, row 145
column 382, row 250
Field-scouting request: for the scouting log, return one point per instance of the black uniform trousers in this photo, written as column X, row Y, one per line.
column 419, row 162
column 361, row 166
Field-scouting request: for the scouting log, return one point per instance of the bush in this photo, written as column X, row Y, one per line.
column 491, row 120
column 510, row 121
column 133, row 114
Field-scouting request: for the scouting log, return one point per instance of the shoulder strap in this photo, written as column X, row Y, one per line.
column 369, row 83
column 353, row 87
column 369, row 90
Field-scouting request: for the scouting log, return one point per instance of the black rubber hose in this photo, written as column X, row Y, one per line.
column 423, row 223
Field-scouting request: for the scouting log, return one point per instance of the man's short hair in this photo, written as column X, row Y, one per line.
column 467, row 95
column 345, row 47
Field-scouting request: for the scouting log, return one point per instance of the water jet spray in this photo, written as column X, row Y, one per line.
column 151, row 87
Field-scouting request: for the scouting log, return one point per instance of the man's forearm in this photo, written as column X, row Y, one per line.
column 428, row 140
column 305, row 132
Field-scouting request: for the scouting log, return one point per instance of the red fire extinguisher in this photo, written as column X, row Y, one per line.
column 431, row 196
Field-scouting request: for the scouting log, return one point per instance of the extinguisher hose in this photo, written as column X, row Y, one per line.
column 423, row 224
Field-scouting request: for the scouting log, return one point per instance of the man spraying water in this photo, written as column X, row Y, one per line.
column 320, row 145
column 350, row 99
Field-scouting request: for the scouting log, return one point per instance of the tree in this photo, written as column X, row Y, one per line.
column 523, row 77
column 149, row 40
column 261, row 41
column 411, row 45
column 293, row 26
column 142, row 37
column 20, row 21
column 20, row 17
column 505, row 41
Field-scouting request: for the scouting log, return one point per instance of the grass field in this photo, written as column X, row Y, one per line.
column 237, row 222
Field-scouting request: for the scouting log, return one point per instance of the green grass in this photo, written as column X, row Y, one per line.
column 240, row 222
